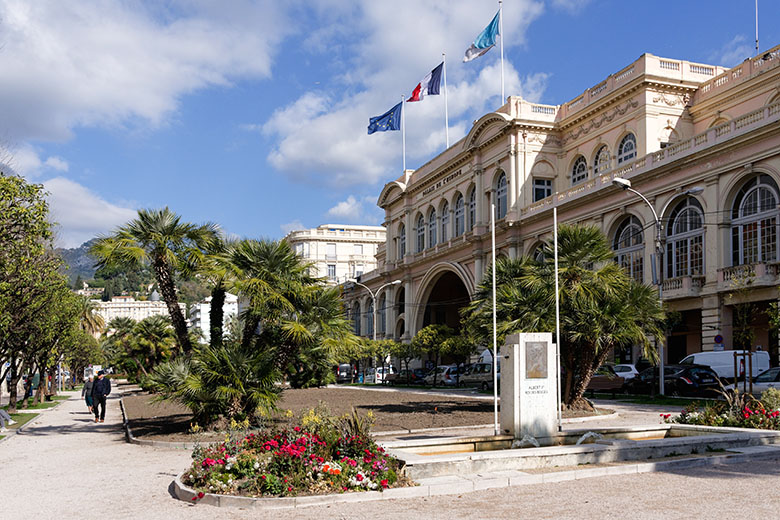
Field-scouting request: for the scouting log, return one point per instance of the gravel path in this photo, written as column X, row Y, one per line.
column 66, row 466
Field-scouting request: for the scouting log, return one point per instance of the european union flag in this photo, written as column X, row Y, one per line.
column 390, row 120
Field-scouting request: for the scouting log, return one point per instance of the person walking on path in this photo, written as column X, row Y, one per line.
column 100, row 389
column 86, row 392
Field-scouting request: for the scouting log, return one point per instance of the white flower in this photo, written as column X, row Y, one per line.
column 229, row 467
column 257, row 465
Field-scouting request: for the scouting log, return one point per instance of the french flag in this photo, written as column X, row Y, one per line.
column 429, row 85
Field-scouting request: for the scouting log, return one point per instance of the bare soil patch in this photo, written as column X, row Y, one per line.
column 166, row 421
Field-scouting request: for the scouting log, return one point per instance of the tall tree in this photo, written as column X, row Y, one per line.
column 158, row 238
column 602, row 308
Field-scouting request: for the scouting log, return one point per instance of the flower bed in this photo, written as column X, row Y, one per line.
column 323, row 455
column 737, row 411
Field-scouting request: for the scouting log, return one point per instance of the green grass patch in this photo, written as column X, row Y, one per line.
column 60, row 397
column 40, row 406
column 21, row 419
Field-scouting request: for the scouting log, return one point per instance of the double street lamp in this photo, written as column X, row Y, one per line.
column 373, row 297
column 625, row 185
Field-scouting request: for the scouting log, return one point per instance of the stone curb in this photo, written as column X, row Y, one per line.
column 454, row 484
column 132, row 439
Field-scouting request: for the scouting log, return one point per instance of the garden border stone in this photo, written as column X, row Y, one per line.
column 456, row 484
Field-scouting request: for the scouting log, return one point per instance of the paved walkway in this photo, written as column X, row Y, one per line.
column 66, row 466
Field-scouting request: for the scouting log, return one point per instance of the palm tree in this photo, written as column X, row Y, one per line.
column 89, row 320
column 602, row 308
column 157, row 238
column 154, row 340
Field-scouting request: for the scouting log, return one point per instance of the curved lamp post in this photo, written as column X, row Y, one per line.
column 373, row 297
column 625, row 185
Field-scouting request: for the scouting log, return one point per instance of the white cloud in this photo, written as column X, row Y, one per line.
column 80, row 214
column 572, row 6
column 321, row 137
column 356, row 211
column 57, row 163
column 26, row 160
column 69, row 64
column 733, row 52
column 295, row 225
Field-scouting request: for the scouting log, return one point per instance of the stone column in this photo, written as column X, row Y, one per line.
column 408, row 310
column 513, row 190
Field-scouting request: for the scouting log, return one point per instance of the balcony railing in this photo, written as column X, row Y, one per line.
column 682, row 287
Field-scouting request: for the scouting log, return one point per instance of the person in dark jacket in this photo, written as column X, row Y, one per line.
column 100, row 390
column 86, row 392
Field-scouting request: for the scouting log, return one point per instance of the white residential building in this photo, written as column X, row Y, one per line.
column 338, row 251
column 199, row 314
column 129, row 307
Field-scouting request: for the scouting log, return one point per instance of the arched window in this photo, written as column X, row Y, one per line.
column 420, row 234
column 579, row 171
column 627, row 148
column 382, row 313
column 400, row 301
column 445, row 222
column 356, row 318
column 401, row 242
column 685, row 240
column 370, row 319
column 601, row 162
column 459, row 216
column 472, row 210
column 432, row 228
column 754, row 222
column 501, row 197
column 629, row 247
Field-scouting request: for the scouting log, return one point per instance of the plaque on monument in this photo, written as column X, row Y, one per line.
column 535, row 360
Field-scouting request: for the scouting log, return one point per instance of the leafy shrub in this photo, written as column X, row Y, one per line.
column 742, row 411
column 770, row 398
column 318, row 457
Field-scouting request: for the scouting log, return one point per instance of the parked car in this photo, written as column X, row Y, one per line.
column 605, row 379
column 444, row 375
column 687, row 380
column 344, row 373
column 378, row 375
column 722, row 362
column 407, row 376
column 479, row 375
column 763, row 381
column 626, row 371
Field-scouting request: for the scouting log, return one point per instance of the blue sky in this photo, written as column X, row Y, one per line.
column 253, row 114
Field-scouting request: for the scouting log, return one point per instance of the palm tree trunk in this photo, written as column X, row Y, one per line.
column 165, row 281
column 216, row 315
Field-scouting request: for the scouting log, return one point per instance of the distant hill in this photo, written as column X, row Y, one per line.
column 78, row 261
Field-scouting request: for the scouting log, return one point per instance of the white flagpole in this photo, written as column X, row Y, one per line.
column 403, row 131
column 756, row 27
column 557, row 320
column 446, row 115
column 495, row 332
column 501, row 34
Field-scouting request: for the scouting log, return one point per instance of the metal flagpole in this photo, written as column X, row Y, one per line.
column 756, row 27
column 446, row 115
column 495, row 332
column 403, row 131
column 557, row 321
column 501, row 34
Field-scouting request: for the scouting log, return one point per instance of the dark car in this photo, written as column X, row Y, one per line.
column 687, row 380
column 407, row 376
column 605, row 379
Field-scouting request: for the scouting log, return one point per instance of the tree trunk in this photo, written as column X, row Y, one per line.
column 13, row 394
column 165, row 280
column 216, row 315
column 250, row 326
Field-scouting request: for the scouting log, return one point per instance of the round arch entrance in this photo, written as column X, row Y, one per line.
column 444, row 301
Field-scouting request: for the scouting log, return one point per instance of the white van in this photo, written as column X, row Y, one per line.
column 722, row 362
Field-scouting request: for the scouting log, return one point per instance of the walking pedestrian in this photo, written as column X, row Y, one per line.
column 86, row 392
column 100, row 389
column 5, row 420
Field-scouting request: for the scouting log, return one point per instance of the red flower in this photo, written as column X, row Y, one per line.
column 289, row 489
column 359, row 477
column 201, row 494
column 262, row 477
column 384, row 483
column 194, row 499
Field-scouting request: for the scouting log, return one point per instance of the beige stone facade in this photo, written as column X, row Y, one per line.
column 666, row 125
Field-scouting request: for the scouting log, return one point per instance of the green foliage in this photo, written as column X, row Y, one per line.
column 602, row 308
column 770, row 398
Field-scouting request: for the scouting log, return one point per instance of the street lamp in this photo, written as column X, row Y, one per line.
column 625, row 185
column 373, row 296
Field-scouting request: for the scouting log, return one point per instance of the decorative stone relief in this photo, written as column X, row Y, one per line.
column 672, row 99
column 597, row 122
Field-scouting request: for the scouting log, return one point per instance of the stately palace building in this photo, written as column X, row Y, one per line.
column 700, row 142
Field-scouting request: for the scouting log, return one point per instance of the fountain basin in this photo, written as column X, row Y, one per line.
column 432, row 457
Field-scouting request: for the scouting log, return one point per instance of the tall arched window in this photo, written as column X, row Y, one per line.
column 382, row 313
column 420, row 234
column 445, row 222
column 401, row 242
column 601, row 161
column 685, row 240
column 629, row 247
column 472, row 221
column 356, row 318
column 627, row 148
column 432, row 228
column 460, row 214
column 754, row 222
column 579, row 171
column 501, row 207
column 370, row 320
